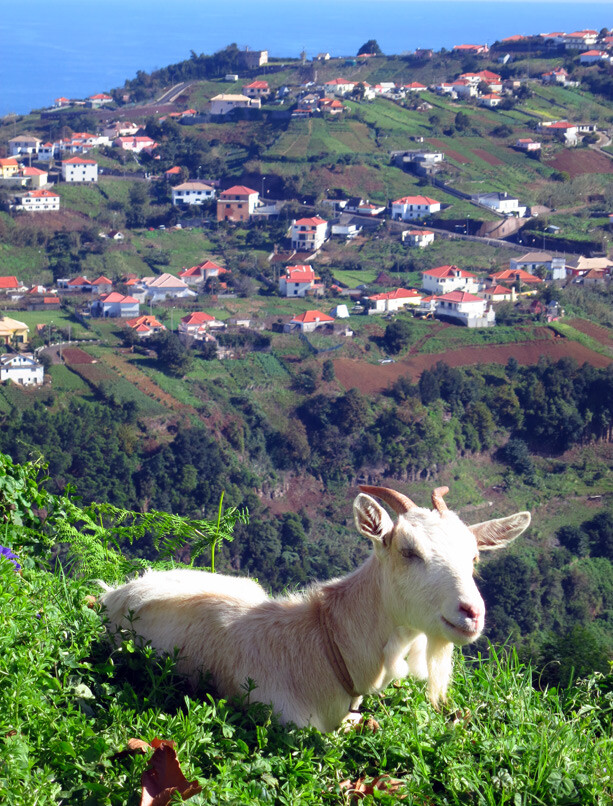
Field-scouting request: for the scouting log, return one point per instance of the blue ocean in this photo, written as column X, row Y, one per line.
column 79, row 47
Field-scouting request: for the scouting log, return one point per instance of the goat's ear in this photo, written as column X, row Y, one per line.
column 497, row 534
column 372, row 520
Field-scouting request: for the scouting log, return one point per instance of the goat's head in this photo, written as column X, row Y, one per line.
column 427, row 561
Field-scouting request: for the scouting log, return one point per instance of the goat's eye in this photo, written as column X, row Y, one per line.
column 410, row 554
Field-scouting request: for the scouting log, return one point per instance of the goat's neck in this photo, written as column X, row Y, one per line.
column 362, row 626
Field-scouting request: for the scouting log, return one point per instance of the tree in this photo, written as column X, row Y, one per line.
column 372, row 46
column 397, row 335
column 462, row 121
column 172, row 353
column 327, row 370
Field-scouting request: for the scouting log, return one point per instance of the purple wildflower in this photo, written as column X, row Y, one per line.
column 6, row 552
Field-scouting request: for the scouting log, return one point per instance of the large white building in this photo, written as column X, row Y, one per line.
column 79, row 169
column 309, row 234
column 443, row 279
column 36, row 201
column 225, row 103
column 21, row 368
column 192, row 193
column 410, row 208
column 467, row 309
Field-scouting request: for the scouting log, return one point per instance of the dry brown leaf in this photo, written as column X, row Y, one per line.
column 360, row 789
column 133, row 747
column 163, row 777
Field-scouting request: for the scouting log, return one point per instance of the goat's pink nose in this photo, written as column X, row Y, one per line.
column 471, row 612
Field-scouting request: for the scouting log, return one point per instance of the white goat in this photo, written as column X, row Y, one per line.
column 313, row 655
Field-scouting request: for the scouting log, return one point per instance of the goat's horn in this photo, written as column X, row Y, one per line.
column 397, row 501
column 437, row 500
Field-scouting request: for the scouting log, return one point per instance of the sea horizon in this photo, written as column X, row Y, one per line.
column 61, row 50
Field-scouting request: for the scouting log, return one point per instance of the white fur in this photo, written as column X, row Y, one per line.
column 399, row 613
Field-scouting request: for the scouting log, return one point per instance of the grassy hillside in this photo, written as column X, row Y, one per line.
column 66, row 718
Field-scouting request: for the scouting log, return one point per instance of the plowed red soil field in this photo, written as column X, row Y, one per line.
column 597, row 332
column 577, row 161
column 487, row 157
column 455, row 155
column 374, row 378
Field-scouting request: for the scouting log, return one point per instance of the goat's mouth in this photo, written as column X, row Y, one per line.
column 467, row 633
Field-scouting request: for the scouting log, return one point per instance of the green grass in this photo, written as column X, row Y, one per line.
column 64, row 380
column 65, row 716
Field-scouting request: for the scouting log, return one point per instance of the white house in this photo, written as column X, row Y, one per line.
column 499, row 293
column 501, row 203
column 417, row 237
column 36, row 201
column 444, row 279
column 308, row 322
column 115, row 305
column 527, row 144
column 465, row 308
column 21, row 368
column 490, row 100
column 79, row 169
column 164, row 286
column 23, row 144
column 409, row 208
column 256, row 89
column 555, row 267
column 309, row 234
column 339, row 86
column 197, row 275
column 192, row 193
column 393, row 300
column 298, row 281
column 224, row 103
column 556, row 76
column 135, row 144
column 594, row 56
column 197, row 324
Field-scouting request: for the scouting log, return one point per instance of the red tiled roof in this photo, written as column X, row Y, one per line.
column 42, row 194
column 312, row 316
column 498, row 289
column 79, row 281
column 460, row 296
column 256, row 85
column 416, row 200
column 145, row 320
column 515, row 274
column 310, row 222
column 115, row 296
column 197, row 318
column 102, row 280
column 398, row 293
column 78, row 161
column 447, row 271
column 9, row 282
column 237, row 190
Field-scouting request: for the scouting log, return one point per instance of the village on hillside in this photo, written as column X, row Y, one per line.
column 530, row 217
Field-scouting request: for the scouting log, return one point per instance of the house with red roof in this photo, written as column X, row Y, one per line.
column 9, row 283
column 308, row 322
column 410, row 208
column 237, row 203
column 8, row 167
column 256, row 89
column 339, row 86
column 465, row 309
column 499, row 293
column 99, row 99
column 523, row 279
column 197, row 325
column 298, row 281
column 78, row 285
column 594, row 56
column 444, row 279
column 135, row 144
column 414, row 86
column 102, row 285
column 79, row 169
column 36, row 201
column 145, row 326
column 417, row 237
column 472, row 50
column 394, row 300
column 490, row 100
column 114, row 305
column 527, row 144
column 59, row 102
column 33, row 177
column 309, row 234
column 556, row 76
column 198, row 275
